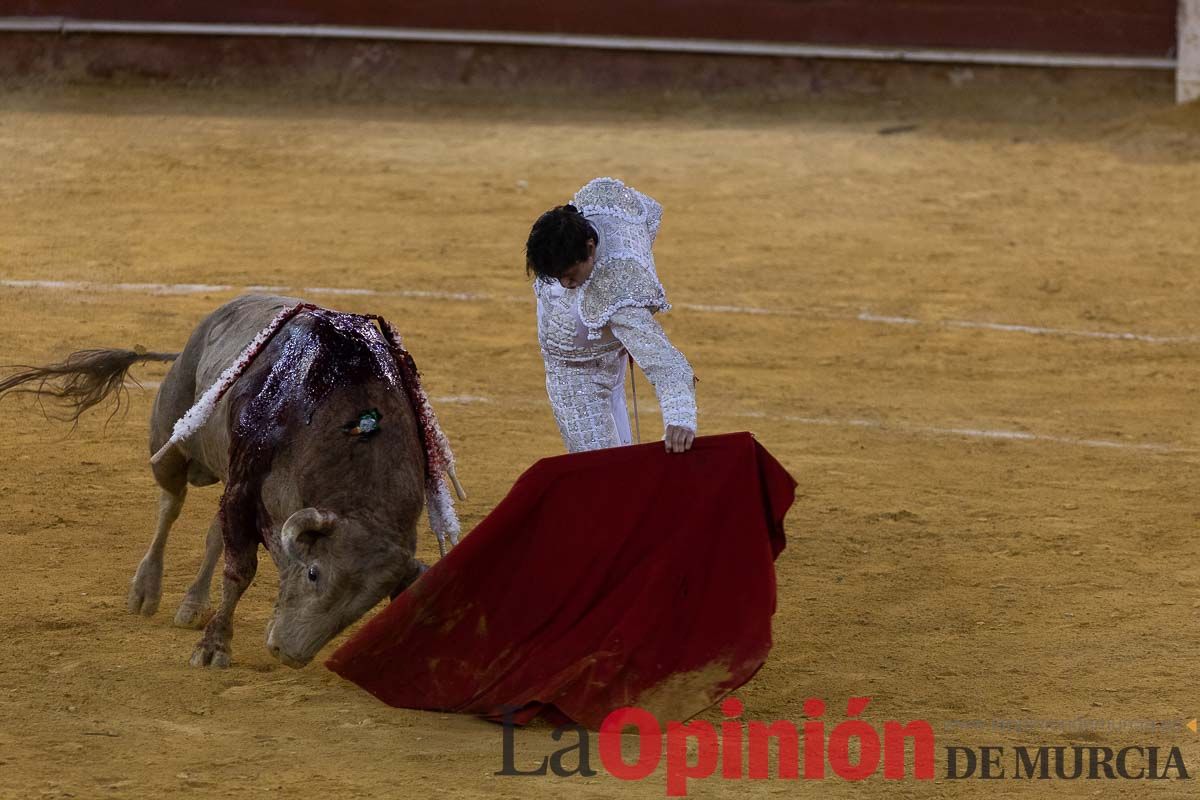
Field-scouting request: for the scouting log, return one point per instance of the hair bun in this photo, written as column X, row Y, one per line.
column 571, row 207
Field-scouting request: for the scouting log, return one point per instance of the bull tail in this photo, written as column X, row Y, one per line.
column 81, row 381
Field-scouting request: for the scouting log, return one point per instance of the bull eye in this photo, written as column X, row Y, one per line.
column 313, row 574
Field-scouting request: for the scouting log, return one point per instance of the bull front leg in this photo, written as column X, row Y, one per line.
column 194, row 607
column 241, row 562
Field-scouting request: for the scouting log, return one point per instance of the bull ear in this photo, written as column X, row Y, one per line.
column 306, row 520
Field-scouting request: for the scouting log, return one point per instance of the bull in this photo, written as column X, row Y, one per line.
column 315, row 423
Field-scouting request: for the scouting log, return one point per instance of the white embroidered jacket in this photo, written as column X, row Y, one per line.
column 585, row 332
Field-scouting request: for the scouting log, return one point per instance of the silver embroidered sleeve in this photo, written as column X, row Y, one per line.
column 664, row 365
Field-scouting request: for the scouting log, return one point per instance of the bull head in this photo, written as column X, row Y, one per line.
column 335, row 569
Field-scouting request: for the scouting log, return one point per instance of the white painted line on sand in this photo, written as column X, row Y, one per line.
column 711, row 309
column 838, row 422
column 463, row 297
column 474, row 297
column 1040, row 331
column 972, row 433
column 462, row 399
column 1035, row 330
column 137, row 288
column 866, row 316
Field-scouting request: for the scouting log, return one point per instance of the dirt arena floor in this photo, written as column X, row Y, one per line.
column 962, row 314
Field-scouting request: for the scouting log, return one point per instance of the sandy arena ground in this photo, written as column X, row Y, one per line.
column 992, row 523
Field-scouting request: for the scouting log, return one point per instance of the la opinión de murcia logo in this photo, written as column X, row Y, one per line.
column 852, row 750
column 726, row 746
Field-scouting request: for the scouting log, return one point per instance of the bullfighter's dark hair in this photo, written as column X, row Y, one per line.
column 558, row 241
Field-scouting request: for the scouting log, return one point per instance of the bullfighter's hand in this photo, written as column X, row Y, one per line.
column 678, row 439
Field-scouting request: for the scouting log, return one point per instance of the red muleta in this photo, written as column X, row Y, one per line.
column 606, row 579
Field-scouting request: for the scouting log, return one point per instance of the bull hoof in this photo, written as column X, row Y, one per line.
column 192, row 614
column 206, row 655
column 146, row 590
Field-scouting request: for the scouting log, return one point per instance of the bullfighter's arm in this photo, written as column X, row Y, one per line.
column 663, row 364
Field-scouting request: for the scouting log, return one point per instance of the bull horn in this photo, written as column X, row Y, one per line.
column 306, row 519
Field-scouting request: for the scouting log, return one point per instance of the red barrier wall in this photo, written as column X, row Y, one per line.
column 1108, row 27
